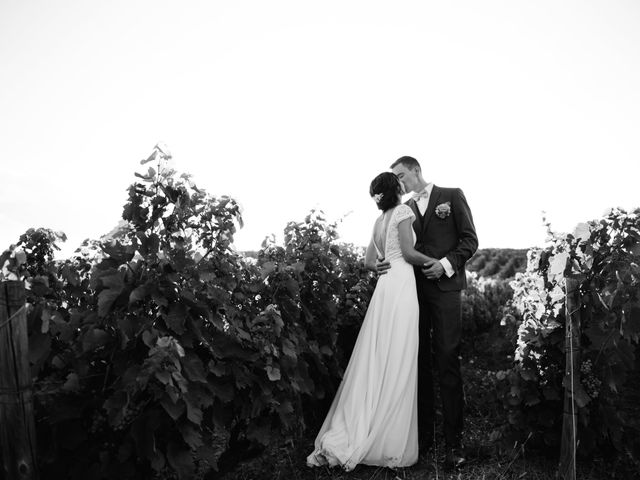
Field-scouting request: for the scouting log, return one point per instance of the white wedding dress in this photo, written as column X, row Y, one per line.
column 373, row 419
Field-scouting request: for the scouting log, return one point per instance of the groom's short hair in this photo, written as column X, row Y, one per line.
column 408, row 162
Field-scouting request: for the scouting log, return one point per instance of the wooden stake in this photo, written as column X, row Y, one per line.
column 17, row 425
column 568, row 445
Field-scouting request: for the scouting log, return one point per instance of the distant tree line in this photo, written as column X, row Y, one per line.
column 501, row 263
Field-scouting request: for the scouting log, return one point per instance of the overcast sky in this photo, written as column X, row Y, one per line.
column 287, row 106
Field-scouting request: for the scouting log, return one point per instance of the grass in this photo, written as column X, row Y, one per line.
column 288, row 463
column 286, row 460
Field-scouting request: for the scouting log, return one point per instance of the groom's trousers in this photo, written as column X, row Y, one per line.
column 440, row 331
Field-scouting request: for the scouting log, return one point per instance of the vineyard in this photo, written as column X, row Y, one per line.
column 161, row 352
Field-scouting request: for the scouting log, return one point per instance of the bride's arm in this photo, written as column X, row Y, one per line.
column 370, row 257
column 409, row 253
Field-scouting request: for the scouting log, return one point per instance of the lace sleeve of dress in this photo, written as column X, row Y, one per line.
column 403, row 212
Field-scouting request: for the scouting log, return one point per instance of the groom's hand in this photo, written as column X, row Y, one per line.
column 382, row 266
column 432, row 269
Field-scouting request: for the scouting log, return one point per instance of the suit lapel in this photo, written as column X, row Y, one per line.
column 417, row 224
column 431, row 205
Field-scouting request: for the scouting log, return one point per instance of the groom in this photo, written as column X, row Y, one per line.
column 444, row 231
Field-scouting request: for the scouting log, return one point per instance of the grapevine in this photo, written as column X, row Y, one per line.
column 605, row 255
column 153, row 339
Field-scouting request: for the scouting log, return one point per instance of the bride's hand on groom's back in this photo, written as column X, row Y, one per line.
column 382, row 266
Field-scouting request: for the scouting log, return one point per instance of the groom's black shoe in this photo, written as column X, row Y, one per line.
column 454, row 458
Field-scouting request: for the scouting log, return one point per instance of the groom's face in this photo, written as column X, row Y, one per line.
column 409, row 177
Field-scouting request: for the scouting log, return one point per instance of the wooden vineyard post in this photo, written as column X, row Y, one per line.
column 17, row 424
column 568, row 445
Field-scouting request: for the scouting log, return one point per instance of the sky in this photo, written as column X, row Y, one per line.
column 293, row 105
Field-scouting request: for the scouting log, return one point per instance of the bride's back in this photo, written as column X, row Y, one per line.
column 386, row 236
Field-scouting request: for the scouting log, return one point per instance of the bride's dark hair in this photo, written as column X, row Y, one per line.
column 385, row 188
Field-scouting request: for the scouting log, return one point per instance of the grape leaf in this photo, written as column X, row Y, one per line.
column 273, row 373
column 175, row 410
column 193, row 368
column 190, row 434
column 176, row 317
column 180, row 459
column 106, row 299
column 94, row 338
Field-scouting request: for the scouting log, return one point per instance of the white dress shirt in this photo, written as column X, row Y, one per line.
column 424, row 201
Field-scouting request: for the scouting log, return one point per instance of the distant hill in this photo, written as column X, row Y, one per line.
column 498, row 262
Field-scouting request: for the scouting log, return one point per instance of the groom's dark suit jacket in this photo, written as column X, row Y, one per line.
column 453, row 237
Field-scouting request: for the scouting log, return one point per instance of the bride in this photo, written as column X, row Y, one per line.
column 373, row 417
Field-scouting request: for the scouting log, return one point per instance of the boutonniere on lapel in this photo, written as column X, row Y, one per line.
column 443, row 210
